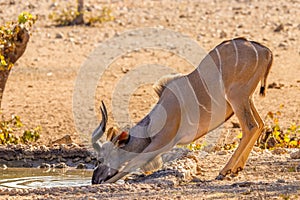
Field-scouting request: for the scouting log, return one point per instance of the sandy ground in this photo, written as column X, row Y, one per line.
column 41, row 86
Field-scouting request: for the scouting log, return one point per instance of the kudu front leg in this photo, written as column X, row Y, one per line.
column 150, row 154
column 252, row 126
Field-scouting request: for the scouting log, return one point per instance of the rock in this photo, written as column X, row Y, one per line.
column 28, row 152
column 223, row 152
column 87, row 159
column 7, row 157
column 209, row 148
column 81, row 166
column 29, row 157
column 124, row 70
column 61, row 159
column 223, row 34
column 73, row 145
column 46, row 156
column 279, row 28
column 59, row 35
column 295, row 155
column 72, row 40
column 120, row 182
column 60, row 165
column 279, row 151
column 76, row 159
column 257, row 149
column 235, row 125
column 52, row 157
column 64, row 140
column 45, row 166
column 70, row 34
column 283, row 45
column 243, row 184
column 280, row 180
column 27, row 164
column 275, row 85
column 3, row 166
column 196, row 180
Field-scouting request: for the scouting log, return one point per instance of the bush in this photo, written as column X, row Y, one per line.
column 66, row 16
column 275, row 136
column 10, row 34
column 9, row 129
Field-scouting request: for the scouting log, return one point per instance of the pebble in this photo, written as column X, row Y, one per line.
column 59, row 35
column 61, row 159
column 46, row 156
column 279, row 151
column 60, row 165
column 81, row 166
column 295, row 155
column 44, row 148
column 120, row 182
column 223, row 34
column 283, row 45
column 279, row 28
column 4, row 166
column 53, row 157
column 76, row 159
column 87, row 159
column 93, row 190
column 27, row 164
column 280, row 180
column 223, row 152
column 73, row 145
column 196, row 180
column 209, row 148
column 45, row 165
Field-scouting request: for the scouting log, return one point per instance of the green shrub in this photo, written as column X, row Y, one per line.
column 9, row 35
column 9, row 129
column 275, row 136
column 194, row 146
column 66, row 16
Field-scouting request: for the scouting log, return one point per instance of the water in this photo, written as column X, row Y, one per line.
column 43, row 178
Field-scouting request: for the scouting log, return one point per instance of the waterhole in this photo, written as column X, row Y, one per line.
column 41, row 178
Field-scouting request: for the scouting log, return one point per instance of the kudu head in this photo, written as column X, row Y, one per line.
column 115, row 152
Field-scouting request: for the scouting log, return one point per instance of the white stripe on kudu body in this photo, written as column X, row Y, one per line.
column 236, row 56
column 256, row 55
column 190, row 106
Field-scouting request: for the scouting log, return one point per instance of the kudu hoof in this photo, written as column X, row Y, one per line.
column 220, row 177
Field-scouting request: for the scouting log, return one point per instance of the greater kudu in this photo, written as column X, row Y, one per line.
column 190, row 106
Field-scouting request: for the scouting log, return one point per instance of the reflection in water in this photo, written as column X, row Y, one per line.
column 41, row 178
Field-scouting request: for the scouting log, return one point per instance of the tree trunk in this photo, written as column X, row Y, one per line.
column 3, row 78
column 21, row 43
column 79, row 18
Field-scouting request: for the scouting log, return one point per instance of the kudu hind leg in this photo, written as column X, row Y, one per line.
column 251, row 125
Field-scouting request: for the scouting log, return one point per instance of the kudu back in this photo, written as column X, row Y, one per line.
column 190, row 106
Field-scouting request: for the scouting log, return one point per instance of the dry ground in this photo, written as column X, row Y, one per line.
column 41, row 85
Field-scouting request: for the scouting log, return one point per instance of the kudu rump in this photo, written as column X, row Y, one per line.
column 190, row 106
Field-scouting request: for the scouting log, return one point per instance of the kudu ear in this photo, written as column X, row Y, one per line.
column 112, row 132
column 122, row 139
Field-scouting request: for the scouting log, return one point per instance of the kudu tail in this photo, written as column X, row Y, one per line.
column 262, row 91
